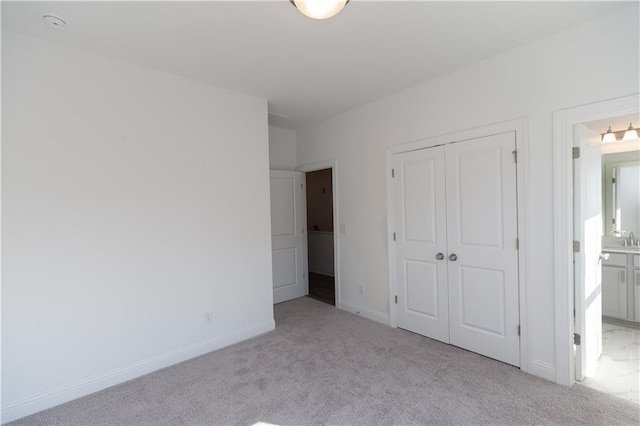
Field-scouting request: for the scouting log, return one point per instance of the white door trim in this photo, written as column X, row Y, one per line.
column 312, row 167
column 520, row 127
column 563, row 122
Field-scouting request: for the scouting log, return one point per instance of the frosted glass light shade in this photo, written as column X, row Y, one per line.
column 319, row 9
column 609, row 136
column 631, row 134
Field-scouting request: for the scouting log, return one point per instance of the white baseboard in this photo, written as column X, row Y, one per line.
column 542, row 369
column 59, row 395
column 371, row 314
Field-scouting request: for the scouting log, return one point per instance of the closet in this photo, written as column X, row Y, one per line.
column 456, row 265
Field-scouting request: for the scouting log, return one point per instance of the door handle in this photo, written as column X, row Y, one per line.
column 453, row 257
column 439, row 256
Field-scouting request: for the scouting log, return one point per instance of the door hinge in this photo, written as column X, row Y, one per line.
column 613, row 180
column 575, row 152
column 576, row 246
column 396, row 299
column 515, row 156
column 517, row 243
column 394, row 236
column 518, row 330
column 576, row 339
column 393, row 173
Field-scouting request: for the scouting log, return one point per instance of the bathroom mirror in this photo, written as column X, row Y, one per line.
column 621, row 183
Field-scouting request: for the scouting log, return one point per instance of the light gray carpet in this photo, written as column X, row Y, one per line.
column 325, row 366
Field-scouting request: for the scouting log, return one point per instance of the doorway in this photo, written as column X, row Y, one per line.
column 564, row 122
column 607, row 265
column 320, row 228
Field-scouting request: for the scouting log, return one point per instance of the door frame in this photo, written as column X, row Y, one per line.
column 563, row 122
column 312, row 167
column 520, row 128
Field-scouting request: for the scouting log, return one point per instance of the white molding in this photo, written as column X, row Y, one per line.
column 61, row 394
column 459, row 136
column 333, row 165
column 520, row 127
column 373, row 315
column 563, row 122
column 543, row 369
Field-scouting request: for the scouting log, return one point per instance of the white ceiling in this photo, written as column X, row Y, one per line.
column 308, row 70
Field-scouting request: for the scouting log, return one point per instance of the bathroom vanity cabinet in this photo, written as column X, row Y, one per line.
column 621, row 284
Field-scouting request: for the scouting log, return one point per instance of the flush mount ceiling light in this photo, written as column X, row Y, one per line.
column 54, row 22
column 319, row 9
column 629, row 134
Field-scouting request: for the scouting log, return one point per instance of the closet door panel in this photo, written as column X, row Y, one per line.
column 420, row 226
column 481, row 237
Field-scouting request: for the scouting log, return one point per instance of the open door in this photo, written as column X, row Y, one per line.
column 287, row 236
column 587, row 173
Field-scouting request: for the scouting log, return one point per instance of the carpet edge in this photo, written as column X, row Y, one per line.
column 79, row 388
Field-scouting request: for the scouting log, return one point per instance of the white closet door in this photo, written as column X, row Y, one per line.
column 419, row 194
column 287, row 238
column 483, row 258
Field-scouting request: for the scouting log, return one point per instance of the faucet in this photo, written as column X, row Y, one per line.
column 631, row 236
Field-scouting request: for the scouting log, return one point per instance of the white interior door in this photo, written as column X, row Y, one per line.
column 482, row 233
column 587, row 261
column 287, row 236
column 421, row 268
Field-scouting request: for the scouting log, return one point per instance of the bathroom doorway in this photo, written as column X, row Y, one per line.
column 320, row 235
column 607, row 306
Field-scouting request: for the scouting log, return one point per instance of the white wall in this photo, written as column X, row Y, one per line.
column 282, row 149
column 533, row 81
column 126, row 217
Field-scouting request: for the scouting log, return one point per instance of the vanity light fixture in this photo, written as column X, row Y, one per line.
column 609, row 136
column 319, row 9
column 630, row 134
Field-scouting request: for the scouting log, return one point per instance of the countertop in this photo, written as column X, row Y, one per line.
column 622, row 249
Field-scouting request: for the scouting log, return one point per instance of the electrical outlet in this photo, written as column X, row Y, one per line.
column 360, row 289
column 207, row 317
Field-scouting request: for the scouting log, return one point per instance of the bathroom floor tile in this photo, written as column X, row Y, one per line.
column 618, row 370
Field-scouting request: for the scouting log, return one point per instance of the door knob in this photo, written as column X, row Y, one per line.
column 453, row 257
column 439, row 256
